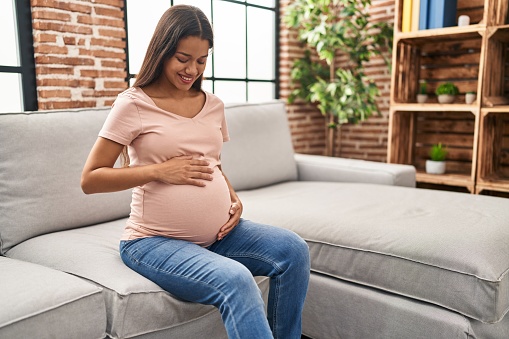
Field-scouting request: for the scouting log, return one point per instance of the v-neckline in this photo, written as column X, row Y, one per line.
column 172, row 113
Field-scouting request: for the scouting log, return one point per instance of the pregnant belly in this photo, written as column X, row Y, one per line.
column 187, row 212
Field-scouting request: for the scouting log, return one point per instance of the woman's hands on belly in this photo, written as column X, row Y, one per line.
column 235, row 213
column 184, row 170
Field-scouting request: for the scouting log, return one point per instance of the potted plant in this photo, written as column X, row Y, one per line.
column 470, row 97
column 422, row 96
column 436, row 163
column 446, row 93
column 344, row 93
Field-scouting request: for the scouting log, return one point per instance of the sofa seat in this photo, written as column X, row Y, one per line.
column 135, row 305
column 39, row 302
column 444, row 248
column 340, row 309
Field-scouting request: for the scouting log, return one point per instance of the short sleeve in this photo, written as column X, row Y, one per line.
column 224, row 129
column 123, row 123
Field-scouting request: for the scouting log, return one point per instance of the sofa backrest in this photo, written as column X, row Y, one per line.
column 260, row 150
column 41, row 158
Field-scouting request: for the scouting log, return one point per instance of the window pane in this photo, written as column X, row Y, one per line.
column 230, row 91
column 230, row 40
column 265, row 3
column 260, row 43
column 206, row 85
column 8, row 37
column 261, row 91
column 142, row 22
column 10, row 92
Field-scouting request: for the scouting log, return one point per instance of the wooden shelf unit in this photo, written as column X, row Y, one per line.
column 475, row 58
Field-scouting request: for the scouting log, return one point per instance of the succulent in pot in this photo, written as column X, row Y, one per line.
column 446, row 93
column 436, row 163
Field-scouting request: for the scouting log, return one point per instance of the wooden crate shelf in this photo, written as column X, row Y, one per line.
column 475, row 58
column 493, row 172
column 413, row 132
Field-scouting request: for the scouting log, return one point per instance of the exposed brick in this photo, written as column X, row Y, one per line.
column 41, row 70
column 98, row 53
column 115, row 84
column 49, row 93
column 49, row 49
column 45, row 37
column 113, row 64
column 108, row 42
column 69, row 40
column 42, row 14
column 65, row 5
column 110, row 12
column 114, row 33
column 67, row 28
column 114, row 3
column 66, row 104
column 92, row 73
column 90, row 20
column 45, row 59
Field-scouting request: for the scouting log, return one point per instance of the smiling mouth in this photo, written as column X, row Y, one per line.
column 186, row 79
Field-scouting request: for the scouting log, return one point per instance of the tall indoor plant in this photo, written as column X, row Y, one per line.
column 344, row 94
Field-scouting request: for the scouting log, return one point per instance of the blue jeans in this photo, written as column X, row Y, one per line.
column 222, row 275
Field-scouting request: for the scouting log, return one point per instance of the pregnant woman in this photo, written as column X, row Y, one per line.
column 185, row 230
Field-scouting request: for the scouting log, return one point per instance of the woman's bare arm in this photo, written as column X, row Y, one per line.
column 99, row 176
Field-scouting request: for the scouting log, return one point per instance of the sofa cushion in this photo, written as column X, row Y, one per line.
column 447, row 248
column 38, row 302
column 260, row 150
column 43, row 154
column 134, row 304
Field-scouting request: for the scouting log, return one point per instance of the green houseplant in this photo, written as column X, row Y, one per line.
column 446, row 92
column 343, row 94
column 436, row 162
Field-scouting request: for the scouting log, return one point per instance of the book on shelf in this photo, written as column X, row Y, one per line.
column 442, row 13
column 406, row 21
column 423, row 14
column 416, row 4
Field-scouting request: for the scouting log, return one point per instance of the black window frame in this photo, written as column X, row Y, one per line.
column 26, row 52
column 213, row 78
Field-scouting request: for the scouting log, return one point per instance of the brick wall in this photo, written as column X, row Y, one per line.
column 79, row 52
column 367, row 140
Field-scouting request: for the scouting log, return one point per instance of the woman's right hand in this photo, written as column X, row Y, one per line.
column 184, row 170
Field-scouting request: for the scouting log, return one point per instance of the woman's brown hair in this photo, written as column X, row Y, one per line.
column 178, row 22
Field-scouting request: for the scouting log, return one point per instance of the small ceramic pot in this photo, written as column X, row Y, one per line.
column 470, row 98
column 422, row 98
column 446, row 98
column 435, row 167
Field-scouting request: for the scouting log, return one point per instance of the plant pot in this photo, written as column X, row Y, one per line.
column 422, row 98
column 435, row 167
column 470, row 98
column 446, row 98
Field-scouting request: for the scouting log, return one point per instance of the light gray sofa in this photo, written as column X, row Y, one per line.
column 388, row 260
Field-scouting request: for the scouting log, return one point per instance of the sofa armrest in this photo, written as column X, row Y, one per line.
column 322, row 168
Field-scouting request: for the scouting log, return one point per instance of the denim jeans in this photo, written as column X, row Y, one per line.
column 222, row 275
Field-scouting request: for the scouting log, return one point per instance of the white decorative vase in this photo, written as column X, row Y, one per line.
column 446, row 98
column 422, row 98
column 435, row 167
column 470, row 98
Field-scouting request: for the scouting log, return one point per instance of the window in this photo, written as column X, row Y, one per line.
column 244, row 59
column 17, row 68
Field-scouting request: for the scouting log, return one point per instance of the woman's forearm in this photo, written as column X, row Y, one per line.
column 107, row 179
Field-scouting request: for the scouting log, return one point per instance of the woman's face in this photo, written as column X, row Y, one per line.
column 188, row 62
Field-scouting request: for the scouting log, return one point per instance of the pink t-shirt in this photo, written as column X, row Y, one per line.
column 154, row 135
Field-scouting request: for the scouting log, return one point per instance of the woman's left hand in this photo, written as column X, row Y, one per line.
column 235, row 213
